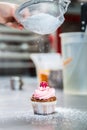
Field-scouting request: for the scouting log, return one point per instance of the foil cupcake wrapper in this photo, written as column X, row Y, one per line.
column 44, row 108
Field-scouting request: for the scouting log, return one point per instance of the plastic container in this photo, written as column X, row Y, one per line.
column 42, row 16
column 46, row 65
column 74, row 46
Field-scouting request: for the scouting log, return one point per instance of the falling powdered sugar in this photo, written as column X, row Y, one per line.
column 42, row 23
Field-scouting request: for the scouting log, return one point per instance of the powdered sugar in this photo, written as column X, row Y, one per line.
column 42, row 23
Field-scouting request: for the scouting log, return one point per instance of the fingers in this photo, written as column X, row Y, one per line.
column 6, row 9
column 11, row 22
column 2, row 20
column 14, row 25
column 7, row 15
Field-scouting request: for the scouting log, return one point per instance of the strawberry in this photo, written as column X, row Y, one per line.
column 43, row 84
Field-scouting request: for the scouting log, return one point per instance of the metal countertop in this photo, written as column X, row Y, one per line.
column 16, row 110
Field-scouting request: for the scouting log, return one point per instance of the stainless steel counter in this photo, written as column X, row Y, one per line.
column 16, row 110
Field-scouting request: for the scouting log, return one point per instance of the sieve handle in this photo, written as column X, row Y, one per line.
column 64, row 4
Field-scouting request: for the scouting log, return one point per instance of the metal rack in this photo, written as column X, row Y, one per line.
column 16, row 47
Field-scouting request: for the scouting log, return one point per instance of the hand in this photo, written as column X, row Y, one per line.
column 7, row 15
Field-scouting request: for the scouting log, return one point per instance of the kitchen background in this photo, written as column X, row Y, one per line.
column 16, row 46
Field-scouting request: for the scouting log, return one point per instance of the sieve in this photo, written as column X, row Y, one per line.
column 42, row 16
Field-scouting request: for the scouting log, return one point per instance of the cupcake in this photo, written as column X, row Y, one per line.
column 44, row 99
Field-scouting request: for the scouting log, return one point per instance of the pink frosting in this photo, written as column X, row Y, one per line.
column 44, row 92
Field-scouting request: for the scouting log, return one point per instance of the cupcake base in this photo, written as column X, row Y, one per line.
column 44, row 108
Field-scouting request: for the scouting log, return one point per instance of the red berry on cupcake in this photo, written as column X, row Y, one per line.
column 43, row 84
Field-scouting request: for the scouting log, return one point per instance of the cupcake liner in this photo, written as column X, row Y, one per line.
column 44, row 108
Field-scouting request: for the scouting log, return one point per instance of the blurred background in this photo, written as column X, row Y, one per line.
column 16, row 46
